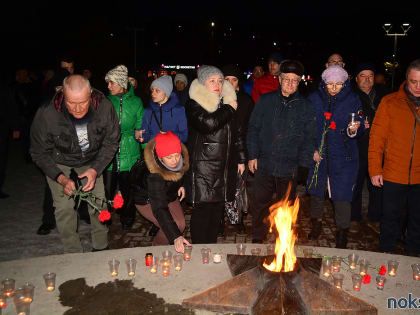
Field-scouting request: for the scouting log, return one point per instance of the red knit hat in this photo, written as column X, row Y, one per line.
column 166, row 144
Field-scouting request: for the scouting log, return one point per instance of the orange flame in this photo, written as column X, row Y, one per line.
column 283, row 215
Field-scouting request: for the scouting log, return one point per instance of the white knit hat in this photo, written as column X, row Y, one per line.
column 181, row 77
column 118, row 75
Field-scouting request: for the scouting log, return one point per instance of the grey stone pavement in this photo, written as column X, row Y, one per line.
column 21, row 213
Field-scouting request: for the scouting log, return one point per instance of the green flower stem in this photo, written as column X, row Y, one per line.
column 320, row 152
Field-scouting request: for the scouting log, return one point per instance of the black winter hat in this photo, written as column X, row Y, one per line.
column 232, row 70
column 276, row 57
column 292, row 66
column 365, row 66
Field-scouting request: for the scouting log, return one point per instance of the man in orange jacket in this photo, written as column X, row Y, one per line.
column 394, row 161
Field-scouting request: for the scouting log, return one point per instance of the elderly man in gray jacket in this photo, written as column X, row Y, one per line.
column 78, row 130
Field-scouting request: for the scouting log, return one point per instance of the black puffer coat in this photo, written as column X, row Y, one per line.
column 216, row 144
column 151, row 182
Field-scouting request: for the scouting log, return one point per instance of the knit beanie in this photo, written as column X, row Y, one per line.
column 365, row 66
column 118, row 75
column 181, row 77
column 167, row 143
column 205, row 72
column 276, row 57
column 164, row 83
column 232, row 70
column 292, row 66
column 334, row 73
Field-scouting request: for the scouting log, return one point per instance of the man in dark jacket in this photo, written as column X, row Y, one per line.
column 370, row 95
column 78, row 130
column 281, row 136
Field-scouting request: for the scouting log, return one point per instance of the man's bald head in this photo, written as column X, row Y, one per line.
column 77, row 95
column 76, row 83
column 335, row 59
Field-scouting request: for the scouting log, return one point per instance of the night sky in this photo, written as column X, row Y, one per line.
column 100, row 36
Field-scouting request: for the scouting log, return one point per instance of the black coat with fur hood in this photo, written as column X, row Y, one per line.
column 153, row 183
column 216, row 144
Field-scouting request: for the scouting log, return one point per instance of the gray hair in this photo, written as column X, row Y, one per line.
column 414, row 65
column 76, row 82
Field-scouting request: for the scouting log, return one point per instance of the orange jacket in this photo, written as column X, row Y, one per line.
column 395, row 141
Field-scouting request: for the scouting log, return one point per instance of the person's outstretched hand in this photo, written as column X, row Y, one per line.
column 179, row 244
column 90, row 174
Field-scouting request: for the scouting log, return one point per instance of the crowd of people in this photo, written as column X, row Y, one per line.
column 191, row 137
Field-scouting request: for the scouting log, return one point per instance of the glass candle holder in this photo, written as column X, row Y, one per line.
column 336, row 263
column 416, row 271
column 114, row 264
column 217, row 258
column 353, row 258
column 357, row 282
column 326, row 267
column 187, row 252
column 205, row 255
column 131, row 266
column 178, row 259
column 380, row 282
column 155, row 265
column 167, row 254
column 49, row 279
column 307, row 252
column 392, row 268
column 165, row 265
column 8, row 287
column 22, row 307
column 270, row 249
column 148, row 259
column 2, row 300
column 256, row 251
column 28, row 290
column 338, row 280
column 241, row 249
column 363, row 267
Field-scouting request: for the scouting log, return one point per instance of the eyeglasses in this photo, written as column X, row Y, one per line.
column 292, row 81
column 335, row 85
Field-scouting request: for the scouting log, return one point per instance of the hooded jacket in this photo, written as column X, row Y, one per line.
column 129, row 109
column 266, row 84
column 171, row 117
column 216, row 144
column 395, row 141
column 153, row 183
column 54, row 139
column 340, row 161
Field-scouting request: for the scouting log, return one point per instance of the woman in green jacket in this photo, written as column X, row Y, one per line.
column 129, row 110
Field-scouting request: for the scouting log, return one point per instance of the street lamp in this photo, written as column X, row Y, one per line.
column 387, row 28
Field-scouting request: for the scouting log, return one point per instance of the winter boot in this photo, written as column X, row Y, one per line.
column 341, row 238
column 316, row 229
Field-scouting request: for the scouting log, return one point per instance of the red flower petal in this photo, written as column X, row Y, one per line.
column 327, row 115
column 333, row 125
column 118, row 201
column 382, row 271
column 366, row 279
column 104, row 216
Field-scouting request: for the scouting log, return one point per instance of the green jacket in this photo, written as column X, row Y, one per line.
column 131, row 108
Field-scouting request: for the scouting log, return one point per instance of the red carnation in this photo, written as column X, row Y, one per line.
column 118, row 201
column 104, row 216
column 333, row 125
column 327, row 115
column 366, row 279
column 382, row 271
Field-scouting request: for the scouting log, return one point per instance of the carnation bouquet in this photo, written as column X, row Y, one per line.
column 328, row 124
column 99, row 204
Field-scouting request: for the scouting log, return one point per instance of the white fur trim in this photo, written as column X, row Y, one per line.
column 208, row 100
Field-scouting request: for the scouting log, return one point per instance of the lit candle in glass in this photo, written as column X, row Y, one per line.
column 113, row 267
column 178, row 259
column 326, row 267
column 380, row 282
column 205, row 255
column 49, row 281
column 357, row 282
column 353, row 258
column 416, row 271
column 217, row 258
column 336, row 263
column 187, row 252
column 155, row 265
column 392, row 268
column 338, row 280
column 363, row 267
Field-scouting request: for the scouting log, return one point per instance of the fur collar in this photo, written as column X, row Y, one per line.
column 154, row 167
column 208, row 100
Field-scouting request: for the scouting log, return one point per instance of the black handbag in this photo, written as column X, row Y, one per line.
column 240, row 204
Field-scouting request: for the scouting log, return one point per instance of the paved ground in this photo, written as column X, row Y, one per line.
column 21, row 213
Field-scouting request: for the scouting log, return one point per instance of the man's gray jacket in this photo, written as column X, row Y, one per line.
column 54, row 139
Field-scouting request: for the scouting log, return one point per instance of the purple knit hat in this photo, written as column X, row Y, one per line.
column 334, row 73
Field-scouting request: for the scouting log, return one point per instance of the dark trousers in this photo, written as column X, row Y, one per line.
column 395, row 198
column 375, row 195
column 115, row 181
column 4, row 146
column 263, row 189
column 205, row 221
column 341, row 210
